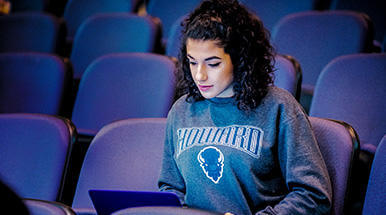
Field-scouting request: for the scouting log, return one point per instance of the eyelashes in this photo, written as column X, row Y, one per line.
column 213, row 65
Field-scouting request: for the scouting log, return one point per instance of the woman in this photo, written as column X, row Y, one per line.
column 235, row 143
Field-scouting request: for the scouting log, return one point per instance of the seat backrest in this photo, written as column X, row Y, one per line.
column 33, row 32
column 375, row 200
column 111, row 33
column 34, row 152
column 163, row 211
column 42, row 207
column 168, row 11
column 375, row 9
column 77, row 11
column 125, row 85
column 33, row 83
column 314, row 38
column 270, row 12
column 339, row 146
column 124, row 155
column 352, row 88
column 288, row 74
column 173, row 42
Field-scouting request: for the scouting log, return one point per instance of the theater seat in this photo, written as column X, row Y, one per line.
column 108, row 33
column 32, row 32
column 124, row 155
column 34, row 153
column 120, row 86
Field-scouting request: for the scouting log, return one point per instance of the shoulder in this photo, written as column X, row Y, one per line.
column 282, row 103
column 180, row 107
column 279, row 96
column 179, row 104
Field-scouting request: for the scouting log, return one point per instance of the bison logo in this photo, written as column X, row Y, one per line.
column 212, row 162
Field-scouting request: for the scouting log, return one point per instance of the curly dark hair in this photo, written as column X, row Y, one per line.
column 243, row 37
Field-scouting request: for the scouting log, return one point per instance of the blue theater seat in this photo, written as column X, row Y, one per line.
column 111, row 33
column 34, row 153
column 375, row 200
column 124, row 155
column 270, row 12
column 339, row 146
column 288, row 74
column 314, row 38
column 120, row 86
column 33, row 83
column 42, row 207
column 77, row 11
column 352, row 88
column 168, row 11
column 163, row 211
column 32, row 32
column 375, row 9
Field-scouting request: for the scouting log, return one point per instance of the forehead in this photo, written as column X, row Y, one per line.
column 204, row 48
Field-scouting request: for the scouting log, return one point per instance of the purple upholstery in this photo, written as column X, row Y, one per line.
column 124, row 155
column 352, row 88
column 288, row 74
column 111, row 33
column 77, row 11
column 314, row 38
column 33, row 154
column 270, row 12
column 174, row 38
column 338, row 145
column 163, row 211
column 33, row 32
column 168, row 11
column 375, row 9
column 33, row 83
column 120, row 86
column 41, row 207
column 375, row 201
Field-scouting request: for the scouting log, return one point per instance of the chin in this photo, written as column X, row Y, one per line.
column 207, row 95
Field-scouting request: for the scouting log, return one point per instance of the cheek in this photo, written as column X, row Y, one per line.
column 228, row 74
column 192, row 72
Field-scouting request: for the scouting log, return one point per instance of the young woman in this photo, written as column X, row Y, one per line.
column 235, row 143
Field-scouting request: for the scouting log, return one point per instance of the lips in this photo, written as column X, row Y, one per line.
column 205, row 88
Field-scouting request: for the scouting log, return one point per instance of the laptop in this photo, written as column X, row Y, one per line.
column 109, row 201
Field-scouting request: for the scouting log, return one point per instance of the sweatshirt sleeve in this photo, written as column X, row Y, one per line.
column 170, row 179
column 303, row 169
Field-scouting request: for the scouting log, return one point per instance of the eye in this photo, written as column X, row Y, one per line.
column 214, row 64
column 192, row 63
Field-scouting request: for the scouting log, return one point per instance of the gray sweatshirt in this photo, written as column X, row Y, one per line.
column 222, row 159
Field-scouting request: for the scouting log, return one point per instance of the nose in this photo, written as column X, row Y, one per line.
column 201, row 74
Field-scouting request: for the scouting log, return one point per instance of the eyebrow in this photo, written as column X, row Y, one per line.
column 206, row 59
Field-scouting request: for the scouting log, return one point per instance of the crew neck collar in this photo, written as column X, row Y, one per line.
column 218, row 100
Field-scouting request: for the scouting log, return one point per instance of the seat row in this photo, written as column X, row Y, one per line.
column 75, row 11
column 135, row 85
column 128, row 85
column 313, row 38
column 36, row 151
column 115, row 86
